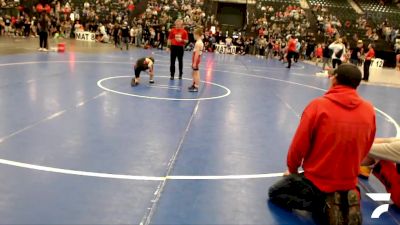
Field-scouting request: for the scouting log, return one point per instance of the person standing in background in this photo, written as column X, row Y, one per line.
column 117, row 42
column 124, row 33
column 161, row 38
column 318, row 54
column 262, row 43
column 367, row 63
column 43, row 27
column 139, row 36
column 356, row 53
column 27, row 27
column 291, row 50
column 326, row 56
column 338, row 49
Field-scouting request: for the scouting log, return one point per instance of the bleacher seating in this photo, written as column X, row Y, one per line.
column 343, row 11
column 374, row 6
column 330, row 3
column 279, row 6
column 378, row 13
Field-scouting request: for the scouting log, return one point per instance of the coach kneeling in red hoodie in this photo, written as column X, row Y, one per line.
column 335, row 133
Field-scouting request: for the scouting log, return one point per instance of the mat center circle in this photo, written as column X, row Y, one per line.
column 176, row 88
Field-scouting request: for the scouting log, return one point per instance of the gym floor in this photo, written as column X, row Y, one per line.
column 79, row 145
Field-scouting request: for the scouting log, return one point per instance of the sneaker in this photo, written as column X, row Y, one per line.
column 193, row 89
column 45, row 50
column 151, row 81
column 171, row 78
column 354, row 216
column 364, row 172
column 180, row 77
column 333, row 213
column 133, row 82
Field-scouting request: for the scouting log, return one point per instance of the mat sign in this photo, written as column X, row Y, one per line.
column 85, row 36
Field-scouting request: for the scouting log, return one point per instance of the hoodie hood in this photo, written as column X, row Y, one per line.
column 344, row 96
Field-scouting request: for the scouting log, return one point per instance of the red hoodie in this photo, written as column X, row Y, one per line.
column 335, row 133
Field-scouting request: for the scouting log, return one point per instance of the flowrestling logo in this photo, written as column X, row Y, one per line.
column 379, row 197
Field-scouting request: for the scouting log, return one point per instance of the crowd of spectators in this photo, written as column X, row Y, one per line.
column 105, row 18
column 330, row 26
column 266, row 35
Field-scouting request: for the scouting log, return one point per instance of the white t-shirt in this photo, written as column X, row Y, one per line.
column 336, row 47
column 103, row 30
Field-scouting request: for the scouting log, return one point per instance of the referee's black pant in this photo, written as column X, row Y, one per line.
column 176, row 51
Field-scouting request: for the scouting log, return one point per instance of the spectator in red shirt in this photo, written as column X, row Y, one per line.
column 291, row 50
column 318, row 54
column 261, row 32
column 13, row 20
column 367, row 63
column 177, row 39
column 335, row 133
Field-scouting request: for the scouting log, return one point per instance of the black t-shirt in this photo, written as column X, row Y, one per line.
column 115, row 31
column 19, row 24
column 27, row 25
column 125, row 31
column 326, row 53
column 44, row 24
column 354, row 53
column 310, row 47
column 95, row 27
column 162, row 35
column 217, row 38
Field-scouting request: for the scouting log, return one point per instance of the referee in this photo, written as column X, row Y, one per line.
column 177, row 40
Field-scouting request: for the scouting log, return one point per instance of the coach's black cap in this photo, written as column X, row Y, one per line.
column 348, row 74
